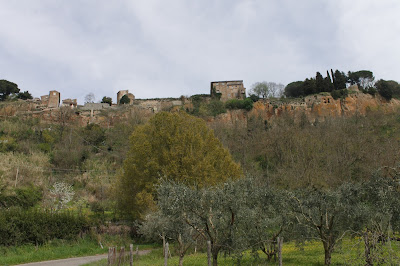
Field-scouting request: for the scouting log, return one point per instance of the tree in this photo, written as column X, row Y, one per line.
column 340, row 80
column 107, row 100
column 385, row 89
column 217, row 214
column 90, row 98
column 326, row 214
column 309, row 86
column 319, row 83
column 275, row 89
column 24, row 95
column 260, row 89
column 7, row 88
column 124, row 100
column 363, row 78
column 175, row 146
column 294, row 89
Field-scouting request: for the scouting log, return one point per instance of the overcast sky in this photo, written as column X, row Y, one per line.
column 168, row 48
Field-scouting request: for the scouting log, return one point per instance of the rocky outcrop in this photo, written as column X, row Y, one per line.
column 313, row 107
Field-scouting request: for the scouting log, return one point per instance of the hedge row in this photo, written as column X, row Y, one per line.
column 19, row 226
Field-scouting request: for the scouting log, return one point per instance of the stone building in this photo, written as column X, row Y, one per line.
column 121, row 93
column 54, row 99
column 44, row 99
column 70, row 103
column 231, row 89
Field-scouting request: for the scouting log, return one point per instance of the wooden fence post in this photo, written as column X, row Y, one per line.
column 109, row 256
column 131, row 254
column 280, row 244
column 209, row 252
column 121, row 256
column 137, row 253
column 166, row 254
column 114, row 255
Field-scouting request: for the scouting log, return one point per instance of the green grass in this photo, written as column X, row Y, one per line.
column 349, row 252
column 61, row 249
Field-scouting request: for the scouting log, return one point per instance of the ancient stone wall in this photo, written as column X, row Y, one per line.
column 228, row 90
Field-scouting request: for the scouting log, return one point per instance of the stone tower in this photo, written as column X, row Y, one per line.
column 54, row 99
column 121, row 93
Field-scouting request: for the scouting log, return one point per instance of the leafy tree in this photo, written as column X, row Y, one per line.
column 161, row 225
column 327, row 215
column 319, row 82
column 7, row 88
column 294, row 89
column 260, row 89
column 363, row 78
column 124, row 100
column 246, row 104
column 175, row 146
column 309, row 86
column 388, row 88
column 107, row 100
column 380, row 197
column 340, row 80
column 24, row 95
column 217, row 214
column 328, row 83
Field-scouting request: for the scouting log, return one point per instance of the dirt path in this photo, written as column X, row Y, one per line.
column 74, row 261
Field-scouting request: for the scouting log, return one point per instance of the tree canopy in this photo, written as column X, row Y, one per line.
column 173, row 146
column 7, row 88
column 107, row 100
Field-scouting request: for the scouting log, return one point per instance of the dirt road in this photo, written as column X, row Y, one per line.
column 74, row 261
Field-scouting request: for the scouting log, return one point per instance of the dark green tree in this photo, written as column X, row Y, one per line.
column 125, row 100
column 340, row 80
column 385, row 89
column 294, row 89
column 24, row 95
column 107, row 100
column 7, row 88
column 309, row 86
column 319, row 83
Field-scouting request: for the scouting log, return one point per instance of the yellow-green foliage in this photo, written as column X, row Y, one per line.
column 173, row 146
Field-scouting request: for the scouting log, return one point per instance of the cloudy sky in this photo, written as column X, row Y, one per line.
column 159, row 48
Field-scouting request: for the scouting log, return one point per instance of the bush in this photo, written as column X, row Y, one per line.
column 19, row 226
column 336, row 94
column 246, row 104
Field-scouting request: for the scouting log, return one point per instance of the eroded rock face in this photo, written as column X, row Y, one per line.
column 313, row 107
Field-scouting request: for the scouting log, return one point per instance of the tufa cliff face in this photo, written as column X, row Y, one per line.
column 313, row 107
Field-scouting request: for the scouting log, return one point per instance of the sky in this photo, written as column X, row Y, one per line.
column 158, row 48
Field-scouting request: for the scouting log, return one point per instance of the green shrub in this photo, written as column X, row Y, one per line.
column 24, row 197
column 336, row 94
column 18, row 226
column 246, row 104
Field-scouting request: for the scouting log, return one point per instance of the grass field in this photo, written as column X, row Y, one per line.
column 311, row 253
column 61, row 249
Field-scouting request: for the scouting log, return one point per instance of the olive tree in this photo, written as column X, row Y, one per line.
column 326, row 215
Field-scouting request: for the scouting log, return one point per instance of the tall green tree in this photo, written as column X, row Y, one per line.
column 7, row 88
column 340, row 80
column 319, row 82
column 174, row 146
